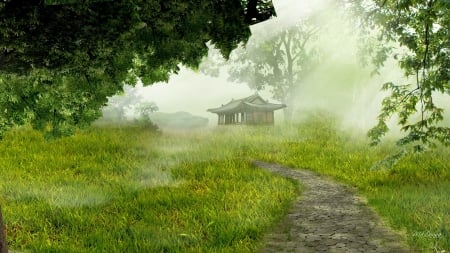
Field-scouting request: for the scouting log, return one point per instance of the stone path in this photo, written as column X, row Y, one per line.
column 328, row 217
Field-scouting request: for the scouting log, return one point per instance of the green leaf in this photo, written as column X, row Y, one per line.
column 62, row 2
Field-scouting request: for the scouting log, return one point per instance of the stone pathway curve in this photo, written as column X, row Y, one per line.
column 328, row 217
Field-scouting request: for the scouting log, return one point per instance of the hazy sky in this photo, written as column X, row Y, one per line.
column 195, row 92
column 340, row 84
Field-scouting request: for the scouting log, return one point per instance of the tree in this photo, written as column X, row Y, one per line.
column 279, row 62
column 60, row 60
column 118, row 105
column 421, row 28
column 147, row 108
column 144, row 110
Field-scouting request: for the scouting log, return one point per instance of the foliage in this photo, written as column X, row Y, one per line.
column 144, row 110
column 60, row 60
column 421, row 28
column 147, row 108
column 278, row 61
column 52, row 103
column 121, row 104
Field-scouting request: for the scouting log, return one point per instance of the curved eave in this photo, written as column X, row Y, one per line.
column 264, row 107
column 245, row 107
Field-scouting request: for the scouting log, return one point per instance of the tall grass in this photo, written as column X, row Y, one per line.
column 132, row 190
column 412, row 193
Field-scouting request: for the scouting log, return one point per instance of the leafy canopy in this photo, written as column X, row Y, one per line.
column 421, row 28
column 61, row 59
column 279, row 62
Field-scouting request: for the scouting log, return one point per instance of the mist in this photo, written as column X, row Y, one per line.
column 186, row 185
column 340, row 84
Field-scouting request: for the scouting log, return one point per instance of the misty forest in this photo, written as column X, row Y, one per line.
column 225, row 126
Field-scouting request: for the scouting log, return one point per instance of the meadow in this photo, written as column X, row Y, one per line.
column 131, row 189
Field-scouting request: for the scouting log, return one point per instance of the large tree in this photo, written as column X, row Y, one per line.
column 421, row 29
column 279, row 62
column 60, row 60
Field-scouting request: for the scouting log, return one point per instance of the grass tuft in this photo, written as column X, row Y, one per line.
column 132, row 189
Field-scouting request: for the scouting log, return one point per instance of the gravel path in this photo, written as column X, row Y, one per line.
column 328, row 217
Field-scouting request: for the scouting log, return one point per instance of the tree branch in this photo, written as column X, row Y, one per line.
column 425, row 64
column 308, row 36
column 252, row 12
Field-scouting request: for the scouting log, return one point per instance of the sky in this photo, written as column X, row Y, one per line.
column 340, row 84
column 195, row 92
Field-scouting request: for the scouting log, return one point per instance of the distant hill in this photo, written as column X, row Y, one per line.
column 178, row 120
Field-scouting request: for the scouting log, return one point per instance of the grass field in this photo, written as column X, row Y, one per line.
column 411, row 194
column 133, row 190
column 130, row 190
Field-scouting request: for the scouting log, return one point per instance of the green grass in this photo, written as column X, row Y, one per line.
column 411, row 194
column 132, row 190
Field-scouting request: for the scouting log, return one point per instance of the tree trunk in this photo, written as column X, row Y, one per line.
column 3, row 243
column 289, row 110
column 289, row 101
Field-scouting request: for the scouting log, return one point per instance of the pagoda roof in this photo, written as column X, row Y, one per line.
column 251, row 103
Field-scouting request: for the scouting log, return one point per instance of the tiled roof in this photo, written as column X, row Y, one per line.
column 251, row 103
